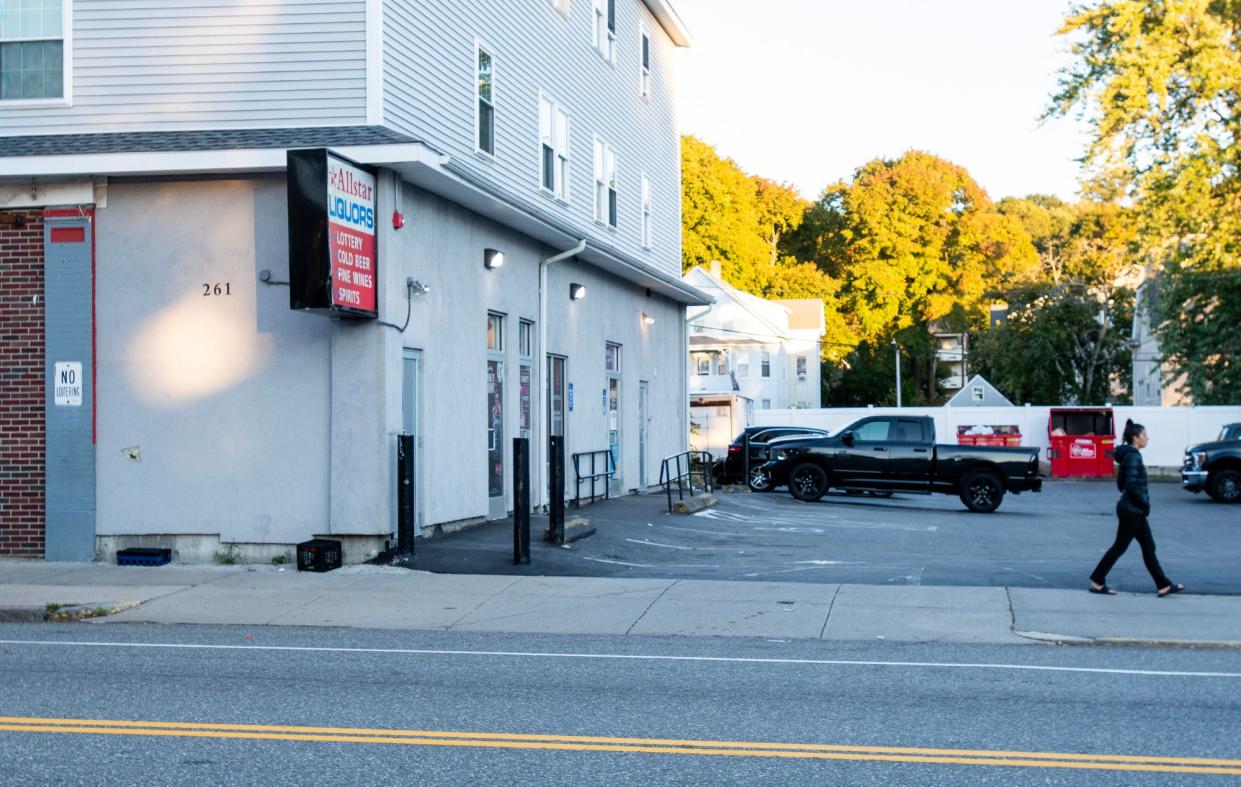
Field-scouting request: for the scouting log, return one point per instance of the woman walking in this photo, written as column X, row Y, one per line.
column 1131, row 512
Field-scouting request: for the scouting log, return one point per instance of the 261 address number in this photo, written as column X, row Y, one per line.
column 219, row 288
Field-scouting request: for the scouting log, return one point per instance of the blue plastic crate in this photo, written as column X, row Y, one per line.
column 143, row 556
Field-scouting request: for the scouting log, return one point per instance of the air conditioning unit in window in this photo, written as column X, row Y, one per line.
column 801, row 376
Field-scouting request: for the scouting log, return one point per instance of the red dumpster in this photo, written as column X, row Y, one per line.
column 1082, row 442
column 989, row 434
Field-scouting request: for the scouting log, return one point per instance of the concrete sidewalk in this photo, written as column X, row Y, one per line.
column 393, row 598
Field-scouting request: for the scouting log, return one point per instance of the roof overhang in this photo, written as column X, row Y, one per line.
column 416, row 162
column 671, row 22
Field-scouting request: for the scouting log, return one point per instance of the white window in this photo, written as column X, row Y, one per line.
column 32, row 49
column 766, row 404
column 743, row 369
column 801, row 367
column 644, row 73
column 485, row 117
column 612, row 357
column 646, row 213
column 604, row 29
column 721, row 362
column 703, row 362
column 605, row 183
column 554, row 148
column 766, row 367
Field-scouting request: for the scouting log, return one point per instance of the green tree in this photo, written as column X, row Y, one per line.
column 742, row 221
column 1061, row 344
column 911, row 240
column 1160, row 83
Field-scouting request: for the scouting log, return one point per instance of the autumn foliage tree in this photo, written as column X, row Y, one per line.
column 1159, row 81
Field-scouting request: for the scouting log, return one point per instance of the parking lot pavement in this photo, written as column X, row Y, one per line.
column 1046, row 540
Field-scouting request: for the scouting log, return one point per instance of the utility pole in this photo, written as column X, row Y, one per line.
column 897, row 347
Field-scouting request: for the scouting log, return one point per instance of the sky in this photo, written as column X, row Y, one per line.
column 806, row 91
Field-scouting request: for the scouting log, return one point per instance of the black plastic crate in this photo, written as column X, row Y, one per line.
column 318, row 554
column 143, row 556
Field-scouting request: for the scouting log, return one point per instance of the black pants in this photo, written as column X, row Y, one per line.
column 1129, row 527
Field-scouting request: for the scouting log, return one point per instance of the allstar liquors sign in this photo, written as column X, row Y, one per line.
column 333, row 265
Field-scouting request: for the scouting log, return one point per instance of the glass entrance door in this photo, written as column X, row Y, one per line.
column 495, row 437
column 496, row 508
column 614, row 431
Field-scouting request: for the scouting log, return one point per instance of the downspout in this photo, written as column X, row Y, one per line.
column 542, row 356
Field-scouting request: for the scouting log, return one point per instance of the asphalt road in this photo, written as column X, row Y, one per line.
column 1048, row 540
column 347, row 706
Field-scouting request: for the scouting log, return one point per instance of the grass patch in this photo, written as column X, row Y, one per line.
column 280, row 560
column 226, row 557
column 52, row 607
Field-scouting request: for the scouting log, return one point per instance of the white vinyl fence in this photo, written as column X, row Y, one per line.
column 1171, row 429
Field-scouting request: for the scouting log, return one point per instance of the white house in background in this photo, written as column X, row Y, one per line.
column 765, row 352
column 1149, row 374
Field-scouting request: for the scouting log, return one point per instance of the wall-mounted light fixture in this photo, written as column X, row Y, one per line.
column 492, row 259
column 647, row 319
column 577, row 292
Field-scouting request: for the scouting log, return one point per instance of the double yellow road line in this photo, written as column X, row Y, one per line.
column 798, row 751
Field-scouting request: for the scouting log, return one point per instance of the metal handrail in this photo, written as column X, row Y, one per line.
column 609, row 464
column 680, row 469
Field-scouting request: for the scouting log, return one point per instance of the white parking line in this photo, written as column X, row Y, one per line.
column 630, row 657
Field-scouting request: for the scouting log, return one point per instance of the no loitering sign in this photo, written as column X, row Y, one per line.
column 67, row 384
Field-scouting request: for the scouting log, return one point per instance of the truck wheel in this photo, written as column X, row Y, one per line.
column 759, row 480
column 981, row 492
column 808, row 482
column 1225, row 485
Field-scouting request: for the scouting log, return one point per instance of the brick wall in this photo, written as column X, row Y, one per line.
column 21, row 384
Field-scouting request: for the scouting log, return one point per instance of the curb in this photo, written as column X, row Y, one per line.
column 1127, row 642
column 22, row 614
column 692, row 505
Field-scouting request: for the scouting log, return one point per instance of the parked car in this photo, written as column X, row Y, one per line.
column 896, row 453
column 731, row 469
column 1215, row 466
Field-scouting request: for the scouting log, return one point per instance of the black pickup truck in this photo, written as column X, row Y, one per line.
column 898, row 453
column 1215, row 466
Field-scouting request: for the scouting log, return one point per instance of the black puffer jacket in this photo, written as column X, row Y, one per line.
column 1131, row 480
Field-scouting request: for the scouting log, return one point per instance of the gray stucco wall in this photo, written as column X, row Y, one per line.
column 230, row 413
column 223, row 397
column 443, row 247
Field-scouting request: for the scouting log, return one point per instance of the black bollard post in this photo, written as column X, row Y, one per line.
column 555, row 490
column 404, row 554
column 521, row 501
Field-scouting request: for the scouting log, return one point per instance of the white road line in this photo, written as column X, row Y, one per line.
column 617, row 562
column 627, row 657
column 657, row 544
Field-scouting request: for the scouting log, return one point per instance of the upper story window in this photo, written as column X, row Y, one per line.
column 32, row 49
column 605, row 183
column 612, row 356
column 801, row 367
column 485, row 119
column 644, row 74
column 765, row 369
column 646, row 213
column 554, row 148
column 605, row 29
